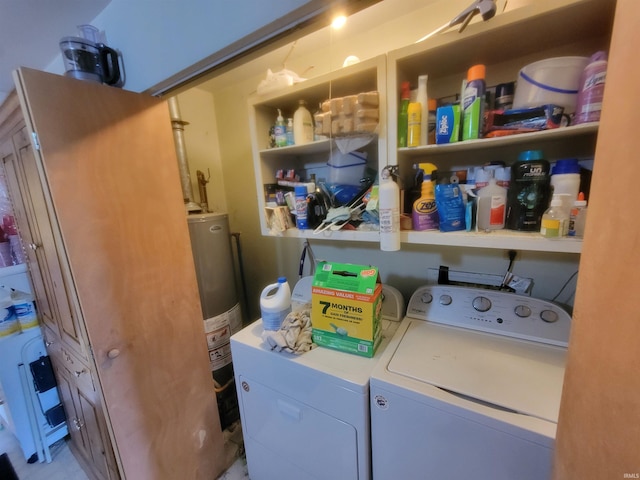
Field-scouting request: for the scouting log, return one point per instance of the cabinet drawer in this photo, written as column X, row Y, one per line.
column 63, row 358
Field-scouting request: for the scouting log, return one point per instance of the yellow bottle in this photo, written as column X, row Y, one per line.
column 414, row 115
column 425, row 213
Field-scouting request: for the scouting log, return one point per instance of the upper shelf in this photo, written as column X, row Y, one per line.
column 529, row 33
column 577, row 141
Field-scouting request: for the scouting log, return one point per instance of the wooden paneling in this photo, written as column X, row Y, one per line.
column 111, row 184
column 599, row 426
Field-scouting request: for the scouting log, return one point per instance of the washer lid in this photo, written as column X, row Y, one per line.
column 518, row 375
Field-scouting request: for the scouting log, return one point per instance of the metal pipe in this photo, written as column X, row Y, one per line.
column 177, row 124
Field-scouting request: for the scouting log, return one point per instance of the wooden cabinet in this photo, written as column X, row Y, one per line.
column 60, row 321
column 83, row 407
column 55, row 307
column 95, row 183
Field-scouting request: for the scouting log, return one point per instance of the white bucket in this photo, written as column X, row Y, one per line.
column 550, row 81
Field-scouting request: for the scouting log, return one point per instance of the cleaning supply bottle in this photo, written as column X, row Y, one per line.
column 289, row 132
column 553, row 219
column 565, row 177
column 403, row 114
column 529, row 191
column 301, row 192
column 425, row 212
column 302, row 125
column 280, row 131
column 389, row 211
column 423, row 100
column 431, row 121
column 473, row 102
column 578, row 217
column 275, row 304
column 589, row 103
column 414, row 121
column 491, row 206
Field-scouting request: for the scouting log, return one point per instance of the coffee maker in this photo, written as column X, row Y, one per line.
column 86, row 57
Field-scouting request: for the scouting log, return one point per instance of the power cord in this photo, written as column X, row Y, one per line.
column 564, row 286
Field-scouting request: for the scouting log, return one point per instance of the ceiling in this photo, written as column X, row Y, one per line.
column 31, row 29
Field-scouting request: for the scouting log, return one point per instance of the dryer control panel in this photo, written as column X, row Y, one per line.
column 491, row 311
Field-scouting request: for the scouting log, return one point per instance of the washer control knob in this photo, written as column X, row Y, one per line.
column 522, row 311
column 549, row 316
column 481, row 304
column 445, row 299
column 426, row 297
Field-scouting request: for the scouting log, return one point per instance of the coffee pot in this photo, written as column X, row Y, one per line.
column 87, row 58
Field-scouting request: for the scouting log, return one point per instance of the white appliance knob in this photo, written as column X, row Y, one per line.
column 549, row 316
column 481, row 304
column 522, row 311
column 426, row 297
column 445, row 299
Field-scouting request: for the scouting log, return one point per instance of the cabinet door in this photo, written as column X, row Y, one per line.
column 51, row 292
column 88, row 435
column 108, row 160
column 15, row 185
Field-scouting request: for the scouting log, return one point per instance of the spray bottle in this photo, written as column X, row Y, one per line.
column 425, row 212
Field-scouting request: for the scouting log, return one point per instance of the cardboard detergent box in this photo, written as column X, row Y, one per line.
column 346, row 302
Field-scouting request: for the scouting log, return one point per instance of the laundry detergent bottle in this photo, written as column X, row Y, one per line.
column 275, row 304
column 589, row 103
column 529, row 191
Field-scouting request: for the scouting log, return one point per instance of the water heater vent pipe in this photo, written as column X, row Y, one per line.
column 177, row 124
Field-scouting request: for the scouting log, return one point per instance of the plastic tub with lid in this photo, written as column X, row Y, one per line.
column 550, row 81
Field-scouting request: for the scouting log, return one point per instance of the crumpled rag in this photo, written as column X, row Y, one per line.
column 293, row 336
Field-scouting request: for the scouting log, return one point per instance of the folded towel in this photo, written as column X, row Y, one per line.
column 294, row 335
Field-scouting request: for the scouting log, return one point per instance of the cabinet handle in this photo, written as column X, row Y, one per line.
column 34, row 246
column 78, row 373
column 78, row 423
column 113, row 353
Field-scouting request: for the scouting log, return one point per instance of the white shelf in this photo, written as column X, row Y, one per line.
column 521, row 140
column 499, row 239
column 338, row 235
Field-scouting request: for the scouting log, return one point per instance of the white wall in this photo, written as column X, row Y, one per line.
column 159, row 38
column 266, row 257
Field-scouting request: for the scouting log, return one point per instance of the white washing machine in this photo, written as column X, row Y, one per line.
column 307, row 416
column 469, row 387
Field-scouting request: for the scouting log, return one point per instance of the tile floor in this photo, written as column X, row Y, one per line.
column 65, row 467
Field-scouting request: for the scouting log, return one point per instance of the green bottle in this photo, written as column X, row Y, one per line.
column 403, row 114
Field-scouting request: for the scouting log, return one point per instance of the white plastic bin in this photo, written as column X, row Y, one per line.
column 550, row 81
column 347, row 169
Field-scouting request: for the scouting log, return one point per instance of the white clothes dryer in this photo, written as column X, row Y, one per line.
column 469, row 387
column 307, row 416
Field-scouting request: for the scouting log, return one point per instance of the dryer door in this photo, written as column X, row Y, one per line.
column 287, row 439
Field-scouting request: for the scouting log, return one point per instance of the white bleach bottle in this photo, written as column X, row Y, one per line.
column 275, row 304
